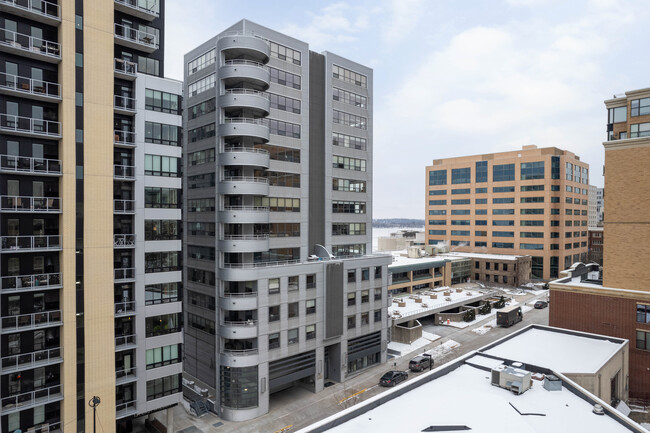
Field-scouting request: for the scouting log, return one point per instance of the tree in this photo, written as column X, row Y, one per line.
column 469, row 315
column 500, row 303
column 485, row 308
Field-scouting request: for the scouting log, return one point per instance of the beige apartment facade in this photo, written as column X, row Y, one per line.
column 532, row 201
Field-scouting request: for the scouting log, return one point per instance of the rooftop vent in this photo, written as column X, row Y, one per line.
column 514, row 379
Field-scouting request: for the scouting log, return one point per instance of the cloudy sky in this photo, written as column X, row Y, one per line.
column 457, row 77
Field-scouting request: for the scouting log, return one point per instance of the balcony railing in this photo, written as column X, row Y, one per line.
column 125, row 409
column 25, row 164
column 29, row 125
column 124, row 274
column 40, row 7
column 124, row 103
column 126, row 67
column 245, row 237
column 123, row 241
column 30, row 243
column 125, row 340
column 124, row 138
column 245, row 179
column 260, row 264
column 238, row 294
column 135, row 35
column 240, row 352
column 30, row 85
column 31, row 282
column 237, row 149
column 30, row 399
column 249, row 120
column 245, row 62
column 241, row 91
column 30, row 43
column 30, row 360
column 124, row 206
column 11, row 203
column 123, row 171
column 30, row 321
column 147, row 7
column 242, row 323
column 124, row 308
column 246, row 208
column 125, row 375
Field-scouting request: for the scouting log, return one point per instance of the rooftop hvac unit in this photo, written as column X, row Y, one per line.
column 514, row 379
column 552, row 383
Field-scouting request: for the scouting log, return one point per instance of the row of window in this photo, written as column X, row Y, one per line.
column 349, row 250
column 285, row 78
column 348, row 185
column 339, row 206
column 292, row 310
column 292, row 283
column 202, row 109
column 161, row 133
column 201, row 205
column 201, row 133
column 163, row 386
column 364, row 319
column 201, row 157
column 347, row 163
column 284, row 103
column 503, row 173
column 277, row 178
column 201, row 229
column 166, row 355
column 348, row 141
column 285, row 129
column 202, row 85
column 158, row 165
column 163, row 261
column 280, row 153
column 162, row 101
column 278, row 204
column 344, row 229
column 349, row 98
column 292, row 336
column 349, row 119
column 162, row 230
column 162, row 293
column 164, row 198
column 201, row 181
column 285, row 53
column 349, row 76
column 202, row 61
column 200, row 300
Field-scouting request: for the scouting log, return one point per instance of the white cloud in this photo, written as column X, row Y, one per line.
column 402, row 17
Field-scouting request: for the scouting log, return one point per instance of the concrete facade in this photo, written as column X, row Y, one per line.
column 532, row 201
column 278, row 168
column 593, row 207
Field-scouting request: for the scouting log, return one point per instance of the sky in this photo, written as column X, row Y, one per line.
column 457, row 77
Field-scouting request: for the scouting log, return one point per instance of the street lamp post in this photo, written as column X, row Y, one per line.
column 428, row 355
column 94, row 402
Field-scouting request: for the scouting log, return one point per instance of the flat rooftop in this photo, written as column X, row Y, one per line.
column 481, row 256
column 562, row 352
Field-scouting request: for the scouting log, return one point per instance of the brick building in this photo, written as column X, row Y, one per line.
column 595, row 244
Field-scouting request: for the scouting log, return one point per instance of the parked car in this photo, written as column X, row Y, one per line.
column 541, row 304
column 420, row 363
column 392, row 378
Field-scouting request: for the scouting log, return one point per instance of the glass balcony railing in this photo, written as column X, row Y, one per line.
column 29, row 125
column 38, row 7
column 31, row 321
column 30, row 44
column 29, row 243
column 26, row 400
column 126, row 67
column 124, row 206
column 31, row 282
column 124, row 138
column 25, row 164
column 10, row 203
column 30, row 86
column 136, row 36
column 30, row 360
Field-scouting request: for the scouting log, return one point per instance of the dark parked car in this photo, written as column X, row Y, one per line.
column 420, row 363
column 392, row 378
column 541, row 304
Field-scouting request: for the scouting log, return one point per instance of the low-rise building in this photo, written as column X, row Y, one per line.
column 409, row 274
column 400, row 240
column 504, row 269
column 566, row 374
column 596, row 239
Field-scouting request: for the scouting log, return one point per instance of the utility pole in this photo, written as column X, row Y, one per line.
column 94, row 402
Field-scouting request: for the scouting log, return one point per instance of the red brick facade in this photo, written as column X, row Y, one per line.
column 606, row 315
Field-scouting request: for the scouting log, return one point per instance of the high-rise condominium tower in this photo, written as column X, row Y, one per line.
column 89, row 198
column 530, row 201
column 278, row 175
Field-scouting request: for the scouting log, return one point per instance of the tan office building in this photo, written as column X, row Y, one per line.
column 526, row 202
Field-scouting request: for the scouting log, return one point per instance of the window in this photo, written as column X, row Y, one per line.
column 480, row 222
column 165, row 261
column 501, row 173
column 348, row 141
column 503, row 211
column 642, row 340
column 349, row 250
column 643, row 313
column 531, row 234
column 348, row 185
column 346, row 163
column 349, row 119
column 285, row 129
column 274, row 286
column 165, row 324
column 480, row 233
column 481, row 211
column 358, row 207
column 293, row 283
column 274, row 340
column 438, row 177
column 460, row 222
column 285, row 78
column 638, row 107
column 201, row 133
column 349, row 98
column 503, row 222
column 532, row 211
column 461, row 211
column 158, row 165
column 201, row 157
column 278, row 204
column 201, row 205
column 365, row 319
column 460, row 232
column 503, row 200
column 640, row 130
column 161, row 133
column 162, row 230
column 481, row 190
column 163, row 386
column 537, row 267
column 537, row 223
column 481, row 171
column 461, row 191
column 202, row 85
column 156, row 100
column 438, row 232
column 377, row 316
column 292, row 336
column 502, row 245
column 480, row 244
column 202, row 61
column 166, row 355
column 349, row 76
column 503, row 234
column 555, row 199
column 310, row 306
column 377, row 293
column 437, row 202
column 161, row 293
column 532, row 170
column 293, row 310
column 461, row 175
column 532, row 199
column 531, row 246
column 352, row 322
column 310, row 332
column 285, row 53
column 284, row 103
column 277, row 178
column 503, row 189
column 461, row 201
column 202, row 109
column 526, row 188
column 201, row 276
column 352, row 298
column 201, row 181
column 274, row 313
column 282, row 230
column 239, row 387
column 365, row 274
column 481, row 201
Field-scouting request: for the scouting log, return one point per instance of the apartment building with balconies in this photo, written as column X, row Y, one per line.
column 86, row 290
column 533, row 201
column 616, row 302
column 280, row 288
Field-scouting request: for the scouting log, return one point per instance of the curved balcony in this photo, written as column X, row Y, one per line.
column 26, row 165
column 237, row 44
column 30, row 88
column 30, row 244
column 240, row 302
column 42, row 11
column 137, row 8
column 254, row 100
column 233, row 72
column 123, row 241
column 31, row 321
column 244, row 126
column 244, row 243
column 245, row 156
column 135, row 39
column 25, row 283
column 24, row 361
column 125, row 69
column 244, row 215
column 124, row 139
column 30, row 127
column 233, row 330
column 29, row 46
column 24, row 204
column 239, row 358
column 245, row 185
